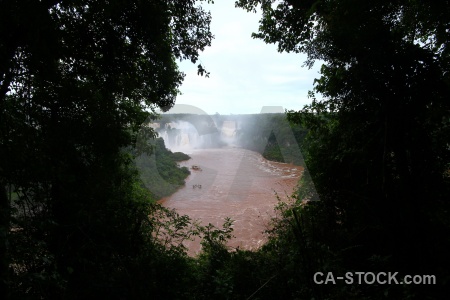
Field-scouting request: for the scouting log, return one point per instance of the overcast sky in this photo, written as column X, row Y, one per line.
column 246, row 74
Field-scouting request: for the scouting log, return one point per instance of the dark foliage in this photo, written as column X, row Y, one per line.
column 159, row 172
column 377, row 147
column 77, row 80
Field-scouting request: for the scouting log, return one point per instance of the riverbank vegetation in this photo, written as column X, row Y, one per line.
column 272, row 136
column 159, row 171
column 77, row 80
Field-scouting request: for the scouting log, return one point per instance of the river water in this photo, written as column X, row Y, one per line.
column 235, row 183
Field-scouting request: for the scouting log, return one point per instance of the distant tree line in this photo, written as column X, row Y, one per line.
column 272, row 136
column 269, row 134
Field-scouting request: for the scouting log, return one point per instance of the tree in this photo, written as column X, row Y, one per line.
column 378, row 144
column 77, row 79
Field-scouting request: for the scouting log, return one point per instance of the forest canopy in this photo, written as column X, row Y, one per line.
column 379, row 125
column 77, row 80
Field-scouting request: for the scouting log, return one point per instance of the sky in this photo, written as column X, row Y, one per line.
column 245, row 74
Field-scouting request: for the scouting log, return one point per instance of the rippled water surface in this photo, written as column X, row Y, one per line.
column 235, row 183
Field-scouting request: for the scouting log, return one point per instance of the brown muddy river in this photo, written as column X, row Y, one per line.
column 235, row 183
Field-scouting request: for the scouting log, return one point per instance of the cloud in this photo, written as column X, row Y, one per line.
column 246, row 74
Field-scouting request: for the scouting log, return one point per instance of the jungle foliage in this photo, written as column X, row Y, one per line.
column 378, row 143
column 77, row 79
column 159, row 171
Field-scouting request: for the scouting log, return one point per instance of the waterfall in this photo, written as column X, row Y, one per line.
column 184, row 137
